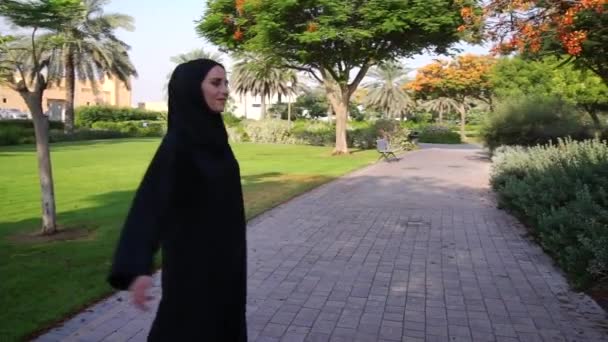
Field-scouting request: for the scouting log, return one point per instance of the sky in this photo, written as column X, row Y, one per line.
column 167, row 28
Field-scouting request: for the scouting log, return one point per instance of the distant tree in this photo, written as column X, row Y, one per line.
column 332, row 38
column 574, row 29
column 467, row 76
column 29, row 62
column 386, row 93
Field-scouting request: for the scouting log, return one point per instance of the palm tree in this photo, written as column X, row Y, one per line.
column 385, row 93
column 259, row 76
column 89, row 50
column 196, row 54
column 441, row 105
column 190, row 56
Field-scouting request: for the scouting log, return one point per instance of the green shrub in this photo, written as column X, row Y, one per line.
column 531, row 121
column 230, row 120
column 359, row 134
column 85, row 134
column 439, row 134
column 561, row 192
column 13, row 135
column 268, row 131
column 314, row 133
column 237, row 134
column 421, row 118
column 16, row 132
column 87, row 116
column 476, row 116
column 133, row 128
column 28, row 124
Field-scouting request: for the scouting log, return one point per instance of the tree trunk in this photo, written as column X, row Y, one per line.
column 263, row 114
column 440, row 117
column 462, row 124
column 289, row 112
column 339, row 98
column 41, row 129
column 70, row 85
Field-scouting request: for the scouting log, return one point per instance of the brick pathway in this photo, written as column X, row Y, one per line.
column 413, row 250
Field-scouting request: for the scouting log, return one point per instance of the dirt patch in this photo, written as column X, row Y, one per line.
column 62, row 234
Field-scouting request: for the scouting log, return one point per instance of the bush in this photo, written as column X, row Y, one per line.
column 13, row 135
column 439, row 134
column 133, row 128
column 561, row 192
column 268, row 131
column 230, row 120
column 476, row 116
column 16, row 132
column 359, row 135
column 314, row 133
column 531, row 121
column 87, row 116
column 421, row 118
column 237, row 134
column 85, row 134
column 29, row 124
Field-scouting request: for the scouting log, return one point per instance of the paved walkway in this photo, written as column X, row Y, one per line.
column 413, row 250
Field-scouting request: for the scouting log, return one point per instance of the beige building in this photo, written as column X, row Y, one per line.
column 108, row 92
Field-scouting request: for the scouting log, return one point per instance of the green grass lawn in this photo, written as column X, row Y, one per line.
column 40, row 283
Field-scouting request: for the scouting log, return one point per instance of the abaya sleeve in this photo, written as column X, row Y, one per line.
column 140, row 236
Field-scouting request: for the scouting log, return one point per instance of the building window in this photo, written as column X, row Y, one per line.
column 4, row 100
column 256, row 105
column 88, row 103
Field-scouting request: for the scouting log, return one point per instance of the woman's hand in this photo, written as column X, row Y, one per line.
column 139, row 289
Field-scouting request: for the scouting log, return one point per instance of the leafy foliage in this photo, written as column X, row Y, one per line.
column 516, row 77
column 87, row 116
column 439, row 134
column 533, row 120
column 331, row 38
column 559, row 27
column 466, row 76
column 561, row 191
column 385, row 93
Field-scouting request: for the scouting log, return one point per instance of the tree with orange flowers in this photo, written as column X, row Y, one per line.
column 466, row 77
column 575, row 29
column 336, row 41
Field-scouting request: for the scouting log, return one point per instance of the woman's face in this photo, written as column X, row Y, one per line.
column 215, row 89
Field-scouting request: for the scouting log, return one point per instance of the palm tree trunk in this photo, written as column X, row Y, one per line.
column 289, row 112
column 41, row 129
column 440, row 117
column 263, row 113
column 70, row 84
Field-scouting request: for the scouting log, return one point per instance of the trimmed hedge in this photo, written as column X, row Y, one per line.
column 87, row 116
column 561, row 192
column 16, row 134
column 318, row 133
column 28, row 124
column 439, row 134
column 133, row 128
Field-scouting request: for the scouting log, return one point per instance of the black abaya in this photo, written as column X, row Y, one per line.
column 190, row 204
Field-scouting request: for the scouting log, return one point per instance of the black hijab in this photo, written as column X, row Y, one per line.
column 190, row 118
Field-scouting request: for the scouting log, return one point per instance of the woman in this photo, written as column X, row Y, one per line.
column 190, row 203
